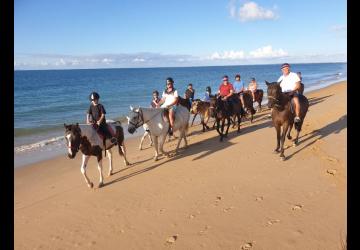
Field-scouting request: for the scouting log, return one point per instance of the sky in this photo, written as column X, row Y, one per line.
column 75, row 34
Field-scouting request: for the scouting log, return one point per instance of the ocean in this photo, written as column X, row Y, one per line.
column 46, row 99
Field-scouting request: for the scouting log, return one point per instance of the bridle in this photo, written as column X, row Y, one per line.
column 277, row 101
column 72, row 147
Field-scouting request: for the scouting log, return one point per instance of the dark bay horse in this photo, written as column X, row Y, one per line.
column 248, row 104
column 88, row 141
column 282, row 116
column 224, row 110
column 259, row 93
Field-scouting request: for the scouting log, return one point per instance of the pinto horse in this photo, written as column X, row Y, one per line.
column 158, row 125
column 224, row 111
column 86, row 139
column 283, row 116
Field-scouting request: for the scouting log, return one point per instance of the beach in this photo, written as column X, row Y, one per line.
column 235, row 194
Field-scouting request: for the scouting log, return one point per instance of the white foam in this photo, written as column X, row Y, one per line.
column 37, row 145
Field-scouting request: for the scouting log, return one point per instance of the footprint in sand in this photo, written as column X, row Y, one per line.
column 172, row 239
column 260, row 198
column 331, row 171
column 205, row 230
column 247, row 245
column 227, row 209
column 297, row 207
column 271, row 222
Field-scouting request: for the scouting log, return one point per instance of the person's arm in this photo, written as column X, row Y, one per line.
column 176, row 98
column 162, row 100
column 88, row 118
column 101, row 119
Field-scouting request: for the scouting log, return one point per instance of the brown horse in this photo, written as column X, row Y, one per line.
column 248, row 104
column 204, row 110
column 301, row 90
column 87, row 140
column 225, row 109
column 283, row 116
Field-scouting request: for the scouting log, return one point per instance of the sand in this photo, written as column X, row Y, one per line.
column 231, row 195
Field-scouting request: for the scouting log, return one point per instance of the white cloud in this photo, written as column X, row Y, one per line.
column 107, row 60
column 250, row 11
column 267, row 52
column 139, row 60
column 231, row 55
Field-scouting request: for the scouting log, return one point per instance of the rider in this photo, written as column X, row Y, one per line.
column 208, row 95
column 239, row 89
column 156, row 99
column 290, row 85
column 169, row 100
column 96, row 117
column 189, row 93
column 226, row 90
column 253, row 87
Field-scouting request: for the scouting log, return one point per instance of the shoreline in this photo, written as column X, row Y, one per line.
column 25, row 159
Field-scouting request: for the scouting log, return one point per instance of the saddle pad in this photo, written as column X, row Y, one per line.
column 109, row 128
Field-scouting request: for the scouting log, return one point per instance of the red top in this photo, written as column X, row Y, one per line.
column 225, row 89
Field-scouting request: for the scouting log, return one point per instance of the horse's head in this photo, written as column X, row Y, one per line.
column 73, row 139
column 273, row 93
column 194, row 106
column 135, row 120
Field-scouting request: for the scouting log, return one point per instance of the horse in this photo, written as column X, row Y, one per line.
column 158, row 125
column 259, row 93
column 86, row 139
column 184, row 102
column 248, row 104
column 301, row 90
column 224, row 111
column 204, row 110
column 283, row 116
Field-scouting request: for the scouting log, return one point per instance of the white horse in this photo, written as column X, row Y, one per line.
column 87, row 140
column 158, row 126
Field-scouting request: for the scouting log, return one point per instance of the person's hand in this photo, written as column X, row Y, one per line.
column 98, row 123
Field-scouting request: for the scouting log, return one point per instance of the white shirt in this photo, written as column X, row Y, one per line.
column 288, row 82
column 169, row 98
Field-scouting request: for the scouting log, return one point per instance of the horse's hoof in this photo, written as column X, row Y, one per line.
column 295, row 144
column 276, row 151
column 289, row 137
column 140, row 149
column 155, row 158
column 90, row 185
column 101, row 184
column 127, row 163
column 110, row 174
column 282, row 158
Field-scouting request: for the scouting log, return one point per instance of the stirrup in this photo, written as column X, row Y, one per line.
column 170, row 131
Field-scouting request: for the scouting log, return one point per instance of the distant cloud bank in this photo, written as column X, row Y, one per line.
column 262, row 55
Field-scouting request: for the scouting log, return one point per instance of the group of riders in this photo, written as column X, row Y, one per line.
column 290, row 84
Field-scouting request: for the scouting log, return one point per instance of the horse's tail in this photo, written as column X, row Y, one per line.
column 120, row 138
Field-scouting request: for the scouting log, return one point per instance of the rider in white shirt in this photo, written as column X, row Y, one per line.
column 290, row 85
column 169, row 100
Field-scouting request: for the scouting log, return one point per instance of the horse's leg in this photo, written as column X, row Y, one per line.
column 239, row 121
column 101, row 180
column 278, row 130
column 150, row 139
column 228, row 126
column 295, row 143
column 109, row 154
column 222, row 128
column 180, row 138
column 85, row 159
column 161, row 144
column 142, row 140
column 123, row 149
column 155, row 140
column 193, row 119
column 207, row 120
column 289, row 133
column 282, row 142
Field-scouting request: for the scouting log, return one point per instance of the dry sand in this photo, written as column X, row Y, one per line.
column 231, row 195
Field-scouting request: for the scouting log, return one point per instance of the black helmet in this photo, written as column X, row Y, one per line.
column 94, row 96
column 170, row 79
column 208, row 89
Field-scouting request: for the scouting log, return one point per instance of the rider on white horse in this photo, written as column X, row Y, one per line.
column 169, row 100
column 96, row 116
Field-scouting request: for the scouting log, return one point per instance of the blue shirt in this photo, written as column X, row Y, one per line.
column 207, row 97
column 238, row 85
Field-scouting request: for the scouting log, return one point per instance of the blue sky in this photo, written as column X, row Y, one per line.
column 132, row 33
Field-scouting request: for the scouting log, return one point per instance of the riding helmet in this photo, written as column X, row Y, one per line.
column 94, row 96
